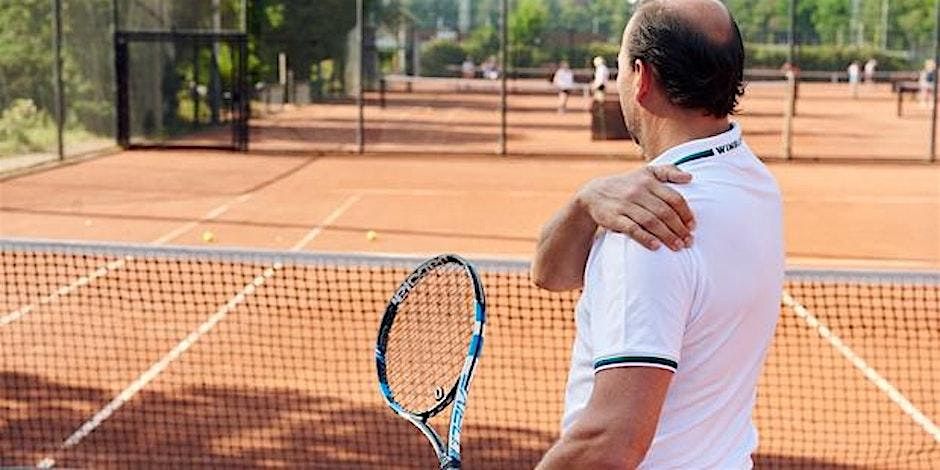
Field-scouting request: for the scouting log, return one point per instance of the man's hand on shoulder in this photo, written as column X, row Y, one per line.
column 640, row 205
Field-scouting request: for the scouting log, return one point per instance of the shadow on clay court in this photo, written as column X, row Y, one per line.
column 226, row 426
column 392, row 134
column 452, row 104
column 572, row 110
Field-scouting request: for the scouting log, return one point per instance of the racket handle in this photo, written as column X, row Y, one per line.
column 450, row 464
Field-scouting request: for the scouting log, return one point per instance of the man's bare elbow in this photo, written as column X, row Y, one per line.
column 620, row 457
column 604, row 451
column 551, row 281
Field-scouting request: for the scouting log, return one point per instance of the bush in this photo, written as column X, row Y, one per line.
column 527, row 56
column 482, row 43
column 824, row 58
column 606, row 50
column 18, row 124
column 437, row 55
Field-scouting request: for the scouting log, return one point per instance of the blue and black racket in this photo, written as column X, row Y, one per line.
column 428, row 346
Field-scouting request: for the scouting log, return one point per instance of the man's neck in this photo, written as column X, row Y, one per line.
column 668, row 133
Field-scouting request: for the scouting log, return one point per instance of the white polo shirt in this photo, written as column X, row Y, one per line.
column 706, row 313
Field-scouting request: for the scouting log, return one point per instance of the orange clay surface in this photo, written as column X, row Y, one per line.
column 426, row 197
column 837, row 214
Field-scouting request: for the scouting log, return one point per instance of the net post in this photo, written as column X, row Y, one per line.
column 57, row 73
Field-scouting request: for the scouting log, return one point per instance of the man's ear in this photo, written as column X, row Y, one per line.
column 642, row 80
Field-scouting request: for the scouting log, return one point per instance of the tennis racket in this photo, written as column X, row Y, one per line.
column 428, row 346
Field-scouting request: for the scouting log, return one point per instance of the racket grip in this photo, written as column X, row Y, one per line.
column 451, row 463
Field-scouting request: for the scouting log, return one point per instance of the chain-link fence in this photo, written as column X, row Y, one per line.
column 538, row 77
column 465, row 76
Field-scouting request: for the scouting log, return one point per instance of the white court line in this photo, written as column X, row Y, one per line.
column 117, row 264
column 137, row 385
column 315, row 231
column 869, row 372
column 211, row 215
column 62, row 291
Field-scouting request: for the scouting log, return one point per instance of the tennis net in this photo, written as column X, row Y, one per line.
column 121, row 356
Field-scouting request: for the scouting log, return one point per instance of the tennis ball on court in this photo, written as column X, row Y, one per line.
column 208, row 237
column 371, row 235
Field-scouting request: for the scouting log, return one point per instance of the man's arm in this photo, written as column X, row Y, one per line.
column 637, row 204
column 616, row 428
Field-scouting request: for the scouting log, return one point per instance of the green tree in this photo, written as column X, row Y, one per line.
column 913, row 26
column 831, row 20
column 527, row 22
column 428, row 13
column 527, row 25
column 26, row 54
column 308, row 32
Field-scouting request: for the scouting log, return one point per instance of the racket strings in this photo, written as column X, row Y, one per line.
column 427, row 345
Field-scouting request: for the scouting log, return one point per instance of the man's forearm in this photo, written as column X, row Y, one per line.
column 591, row 451
column 563, row 248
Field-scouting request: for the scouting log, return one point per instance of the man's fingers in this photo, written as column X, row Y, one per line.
column 679, row 233
column 676, row 202
column 633, row 230
column 670, row 174
column 653, row 225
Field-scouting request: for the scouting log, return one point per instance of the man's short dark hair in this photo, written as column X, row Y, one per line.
column 696, row 71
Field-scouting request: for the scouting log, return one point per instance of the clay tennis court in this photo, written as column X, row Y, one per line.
column 303, row 338
column 447, row 119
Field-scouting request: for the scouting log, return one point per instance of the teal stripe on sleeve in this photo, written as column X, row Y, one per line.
column 635, row 360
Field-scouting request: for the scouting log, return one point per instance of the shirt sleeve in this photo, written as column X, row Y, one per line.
column 640, row 302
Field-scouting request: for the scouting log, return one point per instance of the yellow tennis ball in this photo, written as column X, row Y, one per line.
column 371, row 235
column 208, row 237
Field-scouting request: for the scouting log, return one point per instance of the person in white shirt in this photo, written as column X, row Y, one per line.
column 670, row 343
column 490, row 69
column 468, row 69
column 869, row 70
column 601, row 75
column 925, row 82
column 854, row 70
column 564, row 82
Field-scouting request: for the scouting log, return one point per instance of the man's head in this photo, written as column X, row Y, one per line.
column 680, row 59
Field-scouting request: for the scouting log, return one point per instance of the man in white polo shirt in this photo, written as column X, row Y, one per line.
column 670, row 343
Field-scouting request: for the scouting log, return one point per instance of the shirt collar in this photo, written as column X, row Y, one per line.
column 701, row 148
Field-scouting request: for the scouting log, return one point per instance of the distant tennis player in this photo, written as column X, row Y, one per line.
column 601, row 75
column 564, row 82
column 670, row 343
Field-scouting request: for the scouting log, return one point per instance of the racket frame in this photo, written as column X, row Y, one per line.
column 448, row 456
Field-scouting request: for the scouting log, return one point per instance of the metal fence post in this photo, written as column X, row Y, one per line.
column 936, row 80
column 504, row 46
column 360, row 88
column 57, row 76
